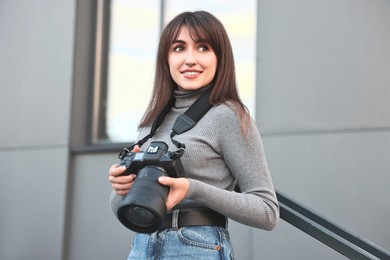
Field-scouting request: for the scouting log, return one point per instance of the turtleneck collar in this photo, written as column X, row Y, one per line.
column 185, row 98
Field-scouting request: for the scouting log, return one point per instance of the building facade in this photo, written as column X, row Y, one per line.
column 321, row 98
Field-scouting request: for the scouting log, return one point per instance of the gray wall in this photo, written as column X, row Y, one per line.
column 322, row 107
column 36, row 68
column 325, row 66
column 323, row 103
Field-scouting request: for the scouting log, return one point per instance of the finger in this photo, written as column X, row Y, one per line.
column 121, row 187
column 136, row 149
column 116, row 170
column 121, row 179
column 121, row 192
column 167, row 181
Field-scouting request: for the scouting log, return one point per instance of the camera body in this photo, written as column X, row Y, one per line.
column 143, row 209
column 156, row 155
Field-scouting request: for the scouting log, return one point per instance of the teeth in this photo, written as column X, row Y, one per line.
column 191, row 73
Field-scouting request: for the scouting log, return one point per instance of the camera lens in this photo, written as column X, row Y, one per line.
column 143, row 209
column 140, row 216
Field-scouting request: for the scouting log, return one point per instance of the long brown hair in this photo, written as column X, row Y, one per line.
column 207, row 28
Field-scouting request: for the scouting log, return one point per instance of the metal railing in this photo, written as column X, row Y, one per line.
column 328, row 232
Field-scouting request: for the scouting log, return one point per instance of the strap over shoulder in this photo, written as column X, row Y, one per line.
column 183, row 123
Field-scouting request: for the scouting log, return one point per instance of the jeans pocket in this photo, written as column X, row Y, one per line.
column 202, row 236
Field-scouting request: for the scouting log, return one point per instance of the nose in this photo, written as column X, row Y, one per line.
column 190, row 60
column 190, row 64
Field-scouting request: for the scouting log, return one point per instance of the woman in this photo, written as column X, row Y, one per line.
column 223, row 150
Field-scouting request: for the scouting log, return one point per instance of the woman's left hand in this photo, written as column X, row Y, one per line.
column 178, row 190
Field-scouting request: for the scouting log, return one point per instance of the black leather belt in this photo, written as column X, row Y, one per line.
column 193, row 217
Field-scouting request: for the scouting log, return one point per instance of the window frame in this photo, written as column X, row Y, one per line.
column 100, row 72
column 96, row 136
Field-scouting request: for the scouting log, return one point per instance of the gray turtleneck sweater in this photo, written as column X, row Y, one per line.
column 217, row 157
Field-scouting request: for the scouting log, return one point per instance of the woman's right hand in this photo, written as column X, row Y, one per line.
column 121, row 184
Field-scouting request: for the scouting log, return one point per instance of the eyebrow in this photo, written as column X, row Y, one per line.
column 178, row 41
column 184, row 42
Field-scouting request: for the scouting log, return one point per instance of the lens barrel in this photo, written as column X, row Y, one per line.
column 143, row 209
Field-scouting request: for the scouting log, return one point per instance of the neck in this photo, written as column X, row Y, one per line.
column 185, row 98
column 188, row 93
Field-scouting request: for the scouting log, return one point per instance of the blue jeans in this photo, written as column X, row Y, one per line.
column 195, row 243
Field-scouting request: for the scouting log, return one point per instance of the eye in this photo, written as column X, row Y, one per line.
column 203, row 47
column 178, row 48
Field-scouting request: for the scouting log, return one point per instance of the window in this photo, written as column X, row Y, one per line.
column 131, row 46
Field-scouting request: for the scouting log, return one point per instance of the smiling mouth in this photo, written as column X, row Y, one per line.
column 191, row 73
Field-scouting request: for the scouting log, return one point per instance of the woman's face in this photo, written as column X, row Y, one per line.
column 192, row 64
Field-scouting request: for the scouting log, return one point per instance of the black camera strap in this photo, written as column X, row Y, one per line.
column 183, row 123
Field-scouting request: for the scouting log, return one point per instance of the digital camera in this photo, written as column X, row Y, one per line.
column 143, row 209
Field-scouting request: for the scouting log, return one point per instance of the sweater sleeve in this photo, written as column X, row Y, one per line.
column 256, row 204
